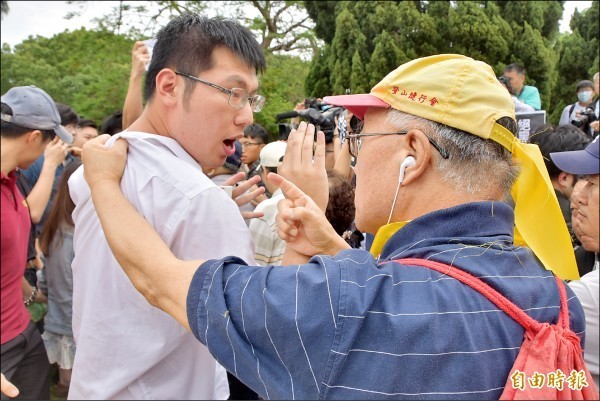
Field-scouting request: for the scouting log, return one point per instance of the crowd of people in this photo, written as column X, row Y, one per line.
column 176, row 252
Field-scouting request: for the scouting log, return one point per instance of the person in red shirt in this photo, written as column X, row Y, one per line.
column 29, row 122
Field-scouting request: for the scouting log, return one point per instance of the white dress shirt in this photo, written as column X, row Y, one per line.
column 126, row 348
column 588, row 291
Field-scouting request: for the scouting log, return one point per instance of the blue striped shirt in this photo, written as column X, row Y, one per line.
column 349, row 327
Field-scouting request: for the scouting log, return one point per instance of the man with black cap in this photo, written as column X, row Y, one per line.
column 30, row 120
column 436, row 158
column 587, row 162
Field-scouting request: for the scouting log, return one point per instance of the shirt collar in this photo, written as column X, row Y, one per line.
column 11, row 177
column 470, row 220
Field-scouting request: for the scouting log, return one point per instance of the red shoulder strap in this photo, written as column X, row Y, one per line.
column 494, row 296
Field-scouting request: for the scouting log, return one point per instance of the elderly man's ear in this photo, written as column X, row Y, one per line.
column 416, row 146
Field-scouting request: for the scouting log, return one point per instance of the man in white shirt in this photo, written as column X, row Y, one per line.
column 269, row 247
column 200, row 93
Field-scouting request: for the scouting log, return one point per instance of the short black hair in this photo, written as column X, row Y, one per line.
column 515, row 67
column 563, row 138
column 256, row 131
column 585, row 84
column 10, row 130
column 84, row 122
column 112, row 124
column 67, row 114
column 187, row 42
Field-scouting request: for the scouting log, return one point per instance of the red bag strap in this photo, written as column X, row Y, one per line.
column 494, row 296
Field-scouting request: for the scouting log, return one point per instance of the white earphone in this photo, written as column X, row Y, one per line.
column 409, row 161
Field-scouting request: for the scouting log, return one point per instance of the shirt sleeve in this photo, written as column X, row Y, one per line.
column 272, row 327
column 532, row 98
column 564, row 117
column 32, row 173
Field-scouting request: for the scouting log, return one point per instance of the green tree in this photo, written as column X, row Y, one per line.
column 87, row 70
column 476, row 35
column 283, row 86
column 348, row 40
column 280, row 26
column 358, row 75
column 386, row 57
column 497, row 32
column 318, row 82
column 323, row 13
column 4, row 8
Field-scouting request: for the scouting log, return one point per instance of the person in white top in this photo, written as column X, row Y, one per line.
column 200, row 93
column 585, row 97
column 268, row 246
column 587, row 162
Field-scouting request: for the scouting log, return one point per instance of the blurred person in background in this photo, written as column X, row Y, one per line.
column 56, row 242
column 560, row 139
column 29, row 122
column 112, row 124
column 587, row 162
column 268, row 246
column 526, row 94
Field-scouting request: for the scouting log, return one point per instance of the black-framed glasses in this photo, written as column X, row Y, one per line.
column 238, row 97
column 355, row 141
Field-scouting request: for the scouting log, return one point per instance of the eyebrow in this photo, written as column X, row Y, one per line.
column 236, row 79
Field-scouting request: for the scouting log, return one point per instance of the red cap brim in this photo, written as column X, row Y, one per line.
column 356, row 104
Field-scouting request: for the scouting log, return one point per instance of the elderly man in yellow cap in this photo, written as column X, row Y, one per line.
column 436, row 158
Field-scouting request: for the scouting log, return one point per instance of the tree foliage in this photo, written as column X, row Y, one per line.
column 377, row 36
column 353, row 44
column 280, row 26
column 88, row 70
column 283, row 86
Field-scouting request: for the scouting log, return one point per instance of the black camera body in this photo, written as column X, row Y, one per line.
column 321, row 115
column 506, row 82
column 586, row 116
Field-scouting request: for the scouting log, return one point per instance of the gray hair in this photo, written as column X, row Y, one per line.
column 475, row 164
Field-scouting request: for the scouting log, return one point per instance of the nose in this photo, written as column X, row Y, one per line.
column 245, row 116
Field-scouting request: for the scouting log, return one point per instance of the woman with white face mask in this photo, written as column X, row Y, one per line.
column 585, row 96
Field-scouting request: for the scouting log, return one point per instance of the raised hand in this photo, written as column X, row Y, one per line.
column 301, row 168
column 302, row 224
column 245, row 191
column 55, row 152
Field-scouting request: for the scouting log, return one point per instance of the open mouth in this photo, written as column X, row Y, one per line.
column 229, row 146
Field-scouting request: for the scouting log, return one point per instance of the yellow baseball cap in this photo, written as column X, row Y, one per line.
column 464, row 93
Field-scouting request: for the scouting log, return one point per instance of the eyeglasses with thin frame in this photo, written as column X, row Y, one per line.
column 238, row 97
column 247, row 144
column 355, row 141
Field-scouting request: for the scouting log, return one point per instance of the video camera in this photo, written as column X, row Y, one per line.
column 321, row 115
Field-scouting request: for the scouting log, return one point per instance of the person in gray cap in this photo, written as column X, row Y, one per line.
column 587, row 162
column 30, row 120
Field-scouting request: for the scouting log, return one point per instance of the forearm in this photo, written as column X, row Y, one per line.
column 291, row 257
column 40, row 194
column 31, row 294
column 148, row 262
column 133, row 106
column 343, row 166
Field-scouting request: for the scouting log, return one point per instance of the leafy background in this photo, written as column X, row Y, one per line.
column 319, row 48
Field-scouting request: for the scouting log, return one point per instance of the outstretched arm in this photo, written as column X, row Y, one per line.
column 155, row 272
column 134, row 105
